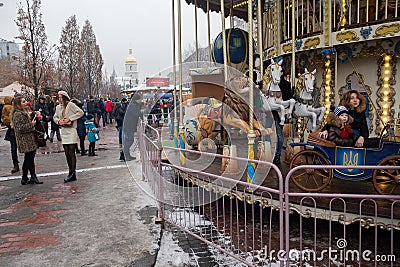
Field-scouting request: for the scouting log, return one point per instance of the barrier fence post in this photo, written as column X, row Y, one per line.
column 160, row 180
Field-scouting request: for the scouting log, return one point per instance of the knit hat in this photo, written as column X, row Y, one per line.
column 89, row 117
column 64, row 94
column 340, row 110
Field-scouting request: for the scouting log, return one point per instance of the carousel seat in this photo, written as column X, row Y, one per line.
column 315, row 139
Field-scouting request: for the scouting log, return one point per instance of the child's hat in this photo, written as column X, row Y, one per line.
column 89, row 117
column 340, row 110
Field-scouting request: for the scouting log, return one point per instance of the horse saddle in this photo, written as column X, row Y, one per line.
column 308, row 102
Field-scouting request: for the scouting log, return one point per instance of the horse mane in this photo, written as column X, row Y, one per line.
column 266, row 77
column 299, row 85
column 237, row 104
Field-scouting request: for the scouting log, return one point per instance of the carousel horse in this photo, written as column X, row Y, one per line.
column 271, row 80
column 304, row 105
column 235, row 113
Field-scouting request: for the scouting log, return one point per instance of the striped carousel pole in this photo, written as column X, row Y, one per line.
column 176, row 137
column 251, row 136
column 182, row 155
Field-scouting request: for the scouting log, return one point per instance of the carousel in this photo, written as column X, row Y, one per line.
column 229, row 128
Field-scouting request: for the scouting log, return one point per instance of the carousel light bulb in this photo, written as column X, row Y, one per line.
column 386, row 79
column 386, row 92
column 385, row 119
column 385, row 99
column 386, row 85
column 385, row 113
column 387, row 72
column 387, row 58
column 387, row 65
column 385, row 106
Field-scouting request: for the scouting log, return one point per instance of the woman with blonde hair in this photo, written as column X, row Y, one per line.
column 24, row 127
column 66, row 116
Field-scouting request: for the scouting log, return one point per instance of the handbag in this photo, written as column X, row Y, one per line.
column 40, row 134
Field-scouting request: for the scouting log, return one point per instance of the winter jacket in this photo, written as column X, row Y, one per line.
column 92, row 107
column 44, row 110
column 335, row 129
column 7, row 110
column 69, row 135
column 109, row 106
column 119, row 113
column 101, row 107
column 131, row 118
column 92, row 131
column 24, row 131
column 81, row 127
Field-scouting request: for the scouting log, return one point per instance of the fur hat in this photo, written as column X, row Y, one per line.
column 340, row 110
column 64, row 94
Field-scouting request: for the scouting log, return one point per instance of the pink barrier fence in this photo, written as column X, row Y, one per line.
column 262, row 226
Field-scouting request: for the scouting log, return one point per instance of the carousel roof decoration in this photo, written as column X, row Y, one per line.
column 239, row 7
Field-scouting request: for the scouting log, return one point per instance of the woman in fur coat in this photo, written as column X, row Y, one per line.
column 24, row 128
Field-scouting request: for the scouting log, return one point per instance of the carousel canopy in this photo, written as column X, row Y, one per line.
column 215, row 5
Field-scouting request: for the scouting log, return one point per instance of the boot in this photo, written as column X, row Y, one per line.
column 277, row 159
column 83, row 152
column 24, row 179
column 71, row 177
column 121, row 155
column 34, row 180
column 16, row 167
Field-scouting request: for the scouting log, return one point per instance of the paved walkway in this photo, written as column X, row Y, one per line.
column 102, row 219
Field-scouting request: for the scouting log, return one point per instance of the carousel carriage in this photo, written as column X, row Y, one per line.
column 317, row 151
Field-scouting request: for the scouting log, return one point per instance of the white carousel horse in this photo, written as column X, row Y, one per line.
column 304, row 106
column 271, row 80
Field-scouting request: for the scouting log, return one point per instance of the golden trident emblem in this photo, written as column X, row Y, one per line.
column 350, row 160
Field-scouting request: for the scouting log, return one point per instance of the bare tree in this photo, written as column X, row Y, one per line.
column 9, row 71
column 36, row 51
column 70, row 58
column 92, row 61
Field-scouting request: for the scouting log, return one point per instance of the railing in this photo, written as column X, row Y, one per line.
column 257, row 225
column 309, row 15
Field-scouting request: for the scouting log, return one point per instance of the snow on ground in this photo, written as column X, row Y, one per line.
column 171, row 254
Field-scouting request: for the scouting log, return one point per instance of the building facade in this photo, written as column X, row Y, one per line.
column 8, row 48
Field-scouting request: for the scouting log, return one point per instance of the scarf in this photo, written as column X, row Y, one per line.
column 346, row 130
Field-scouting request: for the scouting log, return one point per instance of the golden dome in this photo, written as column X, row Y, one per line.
column 130, row 59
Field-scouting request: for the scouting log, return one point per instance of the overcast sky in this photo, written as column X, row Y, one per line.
column 143, row 25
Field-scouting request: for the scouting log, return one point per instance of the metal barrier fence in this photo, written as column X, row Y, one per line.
column 257, row 225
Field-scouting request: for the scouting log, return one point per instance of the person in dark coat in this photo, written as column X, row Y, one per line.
column 42, row 107
column 92, row 107
column 101, row 112
column 119, row 114
column 340, row 131
column 130, row 125
column 24, row 132
column 81, row 129
column 357, row 107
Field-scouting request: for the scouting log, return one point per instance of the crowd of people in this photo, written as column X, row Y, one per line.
column 71, row 121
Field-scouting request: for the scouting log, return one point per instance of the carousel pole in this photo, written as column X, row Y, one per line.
column 209, row 31
column 181, row 125
column 196, row 33
column 251, row 136
column 224, row 40
column 176, row 138
column 259, row 36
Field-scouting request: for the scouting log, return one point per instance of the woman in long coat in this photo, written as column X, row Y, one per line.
column 66, row 116
column 24, row 128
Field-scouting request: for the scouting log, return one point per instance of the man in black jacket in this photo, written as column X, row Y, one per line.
column 92, row 108
column 42, row 107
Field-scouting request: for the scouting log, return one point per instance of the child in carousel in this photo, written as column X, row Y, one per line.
column 340, row 131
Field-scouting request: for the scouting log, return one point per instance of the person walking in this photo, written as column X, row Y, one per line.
column 66, row 116
column 92, row 133
column 24, row 127
column 10, row 134
column 109, row 109
column 130, row 126
column 101, row 112
column 55, row 129
column 119, row 114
